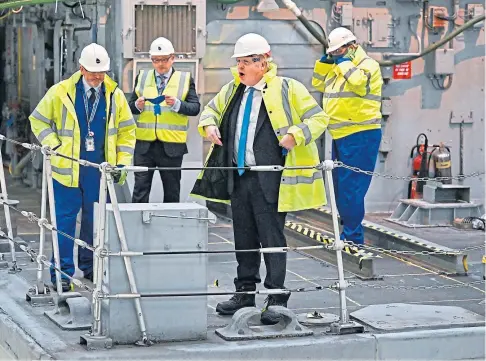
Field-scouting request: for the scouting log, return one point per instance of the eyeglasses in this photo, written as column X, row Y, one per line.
column 161, row 60
column 247, row 62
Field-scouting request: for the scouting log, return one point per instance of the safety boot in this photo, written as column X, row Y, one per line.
column 66, row 286
column 270, row 317
column 235, row 303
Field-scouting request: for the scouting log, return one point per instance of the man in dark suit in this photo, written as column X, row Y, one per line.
column 254, row 120
column 164, row 98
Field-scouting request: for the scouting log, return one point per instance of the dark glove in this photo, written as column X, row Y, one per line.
column 120, row 175
column 326, row 59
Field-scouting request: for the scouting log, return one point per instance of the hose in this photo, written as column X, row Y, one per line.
column 292, row 7
column 434, row 46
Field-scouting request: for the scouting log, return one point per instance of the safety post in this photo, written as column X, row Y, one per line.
column 344, row 326
column 40, row 294
column 128, row 264
column 95, row 339
column 8, row 220
column 52, row 209
column 100, row 244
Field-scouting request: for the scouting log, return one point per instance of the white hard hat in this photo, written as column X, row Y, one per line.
column 94, row 58
column 339, row 37
column 250, row 44
column 161, row 46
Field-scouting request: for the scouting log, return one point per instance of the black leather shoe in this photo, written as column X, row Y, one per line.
column 235, row 303
column 89, row 276
column 66, row 286
column 270, row 317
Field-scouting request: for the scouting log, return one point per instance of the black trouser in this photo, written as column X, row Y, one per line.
column 154, row 155
column 257, row 223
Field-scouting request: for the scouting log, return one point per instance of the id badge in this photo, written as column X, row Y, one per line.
column 90, row 145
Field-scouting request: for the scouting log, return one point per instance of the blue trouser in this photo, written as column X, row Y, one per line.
column 356, row 150
column 68, row 203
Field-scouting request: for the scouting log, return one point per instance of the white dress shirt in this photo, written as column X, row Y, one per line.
column 255, row 110
column 87, row 88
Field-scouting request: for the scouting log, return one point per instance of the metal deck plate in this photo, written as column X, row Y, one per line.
column 402, row 316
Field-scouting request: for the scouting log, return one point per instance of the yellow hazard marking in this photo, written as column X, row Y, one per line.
column 393, row 234
column 317, row 236
column 464, row 263
column 484, row 259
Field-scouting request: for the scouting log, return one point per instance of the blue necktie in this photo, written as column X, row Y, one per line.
column 244, row 132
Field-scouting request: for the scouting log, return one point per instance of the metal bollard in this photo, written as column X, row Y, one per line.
column 344, row 326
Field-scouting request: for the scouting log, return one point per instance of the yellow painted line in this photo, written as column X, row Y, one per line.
column 431, row 270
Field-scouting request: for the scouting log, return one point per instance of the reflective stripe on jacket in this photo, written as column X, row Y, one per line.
column 292, row 110
column 169, row 126
column 352, row 94
column 54, row 122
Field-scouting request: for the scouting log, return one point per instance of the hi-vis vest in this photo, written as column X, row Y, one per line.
column 352, row 94
column 169, row 126
column 292, row 110
column 54, row 122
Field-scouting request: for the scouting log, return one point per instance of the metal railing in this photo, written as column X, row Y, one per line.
column 101, row 251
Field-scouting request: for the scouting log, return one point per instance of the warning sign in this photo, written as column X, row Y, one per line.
column 402, row 71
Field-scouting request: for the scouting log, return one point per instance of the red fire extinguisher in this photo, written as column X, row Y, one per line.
column 420, row 168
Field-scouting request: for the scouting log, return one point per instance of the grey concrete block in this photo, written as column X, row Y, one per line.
column 452, row 344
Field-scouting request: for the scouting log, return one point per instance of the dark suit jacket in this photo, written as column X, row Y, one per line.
column 265, row 147
column 190, row 107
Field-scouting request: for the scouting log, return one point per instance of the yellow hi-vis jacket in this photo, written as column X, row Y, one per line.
column 54, row 122
column 292, row 110
column 169, row 126
column 352, row 94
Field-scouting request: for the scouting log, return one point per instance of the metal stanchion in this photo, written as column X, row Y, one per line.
column 42, row 236
column 40, row 294
column 344, row 326
column 95, row 339
column 100, row 244
column 52, row 209
column 127, row 261
column 8, row 220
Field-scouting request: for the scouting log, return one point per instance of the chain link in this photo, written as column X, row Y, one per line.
column 406, row 178
column 434, row 287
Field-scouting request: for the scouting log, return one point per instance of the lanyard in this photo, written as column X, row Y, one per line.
column 90, row 117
